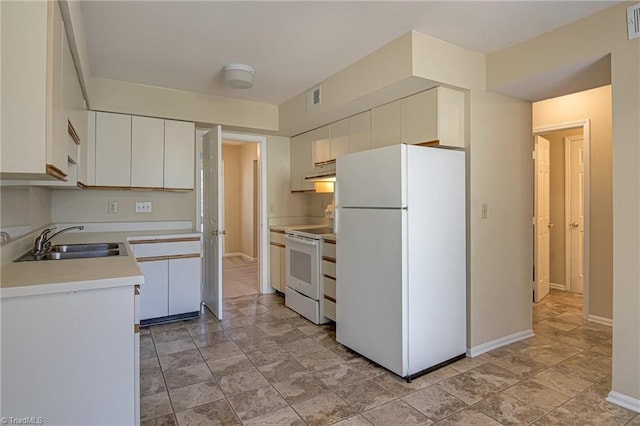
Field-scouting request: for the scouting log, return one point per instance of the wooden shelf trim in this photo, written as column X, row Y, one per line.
column 278, row 245
column 52, row 170
column 73, row 133
column 328, row 241
column 131, row 188
column 330, row 277
column 330, row 299
column 277, row 231
column 329, row 259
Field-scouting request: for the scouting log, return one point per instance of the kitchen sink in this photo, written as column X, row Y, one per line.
column 68, row 248
column 77, row 251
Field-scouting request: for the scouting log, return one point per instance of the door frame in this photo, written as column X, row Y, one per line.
column 585, row 124
column 263, row 237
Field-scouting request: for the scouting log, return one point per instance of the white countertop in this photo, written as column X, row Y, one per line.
column 283, row 228
column 58, row 276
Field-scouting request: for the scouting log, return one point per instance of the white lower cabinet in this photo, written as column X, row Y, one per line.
column 154, row 293
column 172, row 276
column 277, row 257
column 70, row 358
column 184, row 285
column 329, row 279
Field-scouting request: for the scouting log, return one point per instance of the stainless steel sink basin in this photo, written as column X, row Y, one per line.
column 67, row 248
column 77, row 251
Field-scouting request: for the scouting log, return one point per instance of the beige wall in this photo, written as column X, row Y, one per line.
column 140, row 99
column 248, row 154
column 232, row 198
column 557, row 202
column 238, row 197
column 91, row 206
column 594, row 105
column 25, row 206
column 601, row 34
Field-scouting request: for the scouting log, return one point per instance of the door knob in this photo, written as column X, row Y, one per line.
column 224, row 232
column 574, row 224
column 550, row 225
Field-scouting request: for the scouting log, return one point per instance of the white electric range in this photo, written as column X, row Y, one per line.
column 303, row 258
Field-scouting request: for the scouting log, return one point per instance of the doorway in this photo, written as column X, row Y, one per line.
column 241, row 181
column 561, row 191
column 209, row 217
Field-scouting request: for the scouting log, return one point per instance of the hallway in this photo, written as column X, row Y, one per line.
column 239, row 277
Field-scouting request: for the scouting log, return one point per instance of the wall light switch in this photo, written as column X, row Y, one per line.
column 143, row 207
column 112, row 207
column 485, row 210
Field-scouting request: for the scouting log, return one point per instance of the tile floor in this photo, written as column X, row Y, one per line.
column 265, row 365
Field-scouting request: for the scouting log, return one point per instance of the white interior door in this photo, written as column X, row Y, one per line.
column 212, row 199
column 576, row 225
column 541, row 261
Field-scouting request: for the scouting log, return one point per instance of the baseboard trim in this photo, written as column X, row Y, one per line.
column 245, row 256
column 558, row 286
column 600, row 320
column 623, row 400
column 498, row 343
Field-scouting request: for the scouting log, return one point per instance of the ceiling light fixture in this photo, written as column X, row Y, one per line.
column 238, row 76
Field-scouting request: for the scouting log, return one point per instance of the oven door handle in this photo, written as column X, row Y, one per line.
column 313, row 243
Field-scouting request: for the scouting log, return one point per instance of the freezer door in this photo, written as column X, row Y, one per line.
column 371, row 260
column 374, row 178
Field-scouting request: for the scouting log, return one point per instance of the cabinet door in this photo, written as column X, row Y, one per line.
column 113, row 149
column 154, row 293
column 301, row 161
column 87, row 166
column 73, row 120
column 185, row 276
column 283, row 269
column 339, row 138
column 57, row 146
column 419, row 117
column 385, row 125
column 321, row 145
column 360, row 132
column 451, row 126
column 147, row 152
column 275, row 260
column 179, row 154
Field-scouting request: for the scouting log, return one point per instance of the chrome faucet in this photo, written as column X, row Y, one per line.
column 43, row 241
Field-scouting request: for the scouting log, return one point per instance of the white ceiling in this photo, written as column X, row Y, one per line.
column 291, row 45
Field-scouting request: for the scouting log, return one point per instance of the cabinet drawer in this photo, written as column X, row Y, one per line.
column 145, row 248
column 329, row 268
column 329, row 249
column 329, row 286
column 329, row 309
column 277, row 237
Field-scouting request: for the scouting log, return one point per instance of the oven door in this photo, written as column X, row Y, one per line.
column 303, row 265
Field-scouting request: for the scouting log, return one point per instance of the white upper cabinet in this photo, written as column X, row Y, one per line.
column 87, row 169
column 321, row 145
column 40, row 93
column 360, row 132
column 419, row 117
column 113, row 149
column 179, row 154
column 339, row 138
column 301, row 161
column 433, row 115
column 30, row 30
column 385, row 125
column 147, row 152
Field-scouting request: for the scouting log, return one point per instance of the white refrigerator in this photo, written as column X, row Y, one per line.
column 401, row 256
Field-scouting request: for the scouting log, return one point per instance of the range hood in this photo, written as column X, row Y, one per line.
column 322, row 173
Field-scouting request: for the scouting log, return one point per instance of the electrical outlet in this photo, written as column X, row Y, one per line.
column 112, row 207
column 485, row 211
column 144, row 207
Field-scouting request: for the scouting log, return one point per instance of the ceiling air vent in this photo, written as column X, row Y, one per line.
column 633, row 21
column 314, row 97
